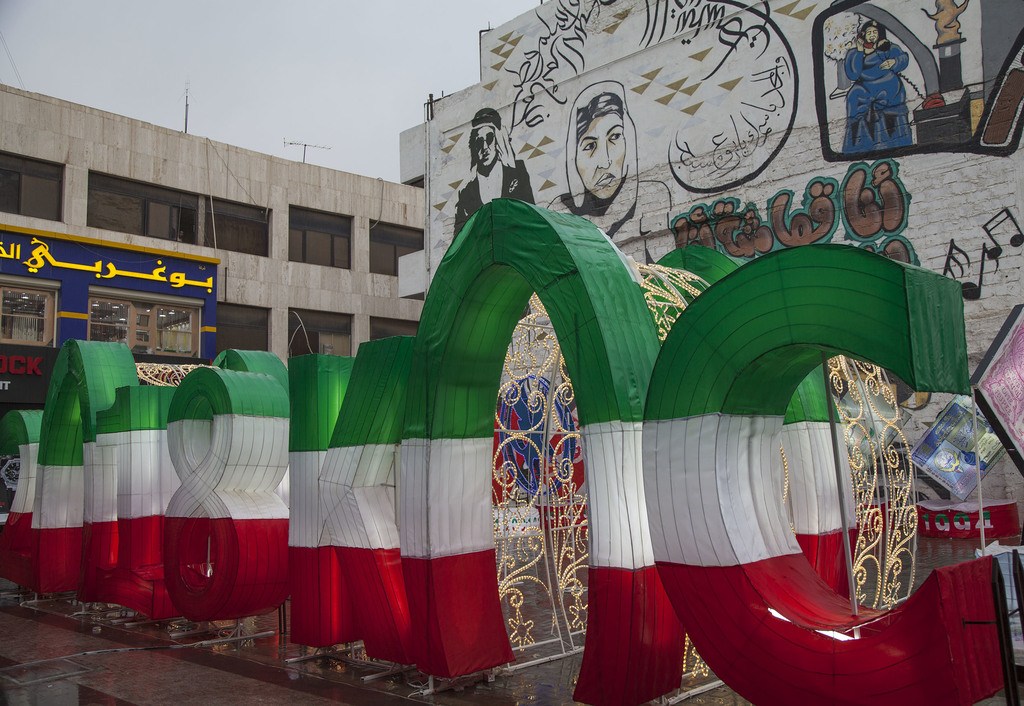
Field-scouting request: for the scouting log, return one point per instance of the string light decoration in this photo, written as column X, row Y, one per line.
column 883, row 481
column 164, row 374
column 667, row 291
column 539, row 506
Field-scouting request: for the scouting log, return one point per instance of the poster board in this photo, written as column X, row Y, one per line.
column 999, row 382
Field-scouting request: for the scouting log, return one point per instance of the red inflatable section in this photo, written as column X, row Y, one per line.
column 826, row 555
column 137, row 581
column 16, row 549
column 99, row 555
column 321, row 608
column 631, row 622
column 220, row 569
column 56, row 559
column 379, row 605
column 933, row 649
column 457, row 623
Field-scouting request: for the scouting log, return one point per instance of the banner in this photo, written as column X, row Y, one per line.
column 999, row 381
column 946, row 452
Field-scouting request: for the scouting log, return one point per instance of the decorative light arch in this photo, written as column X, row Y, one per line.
column 759, row 615
column 508, row 250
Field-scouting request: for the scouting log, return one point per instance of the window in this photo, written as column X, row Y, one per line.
column 319, row 238
column 142, row 209
column 237, row 227
column 388, row 243
column 382, row 328
column 242, row 327
column 319, row 332
column 26, row 316
column 29, row 187
column 145, row 327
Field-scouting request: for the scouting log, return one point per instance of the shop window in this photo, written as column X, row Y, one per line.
column 382, row 328
column 29, row 187
column 142, row 209
column 388, row 243
column 237, row 227
column 146, row 327
column 319, row 238
column 319, row 332
column 26, row 316
column 242, row 327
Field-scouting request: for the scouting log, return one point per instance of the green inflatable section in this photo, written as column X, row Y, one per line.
column 809, row 402
column 207, row 392
column 506, row 251
column 85, row 378
column 318, row 387
column 748, row 341
column 708, row 264
column 374, row 409
column 136, row 409
column 18, row 427
column 253, row 362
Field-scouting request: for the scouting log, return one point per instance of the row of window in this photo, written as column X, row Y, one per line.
column 32, row 188
column 162, row 328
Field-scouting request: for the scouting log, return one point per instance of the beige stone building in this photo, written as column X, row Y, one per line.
column 115, row 229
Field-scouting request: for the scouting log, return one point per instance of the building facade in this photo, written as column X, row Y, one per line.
column 115, row 229
column 754, row 127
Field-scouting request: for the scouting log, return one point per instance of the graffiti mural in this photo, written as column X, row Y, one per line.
column 896, row 77
column 872, row 204
column 999, row 231
column 703, row 95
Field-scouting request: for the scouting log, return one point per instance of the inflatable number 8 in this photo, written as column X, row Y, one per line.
column 226, row 538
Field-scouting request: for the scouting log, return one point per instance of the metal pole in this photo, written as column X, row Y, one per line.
column 839, row 486
column 977, row 466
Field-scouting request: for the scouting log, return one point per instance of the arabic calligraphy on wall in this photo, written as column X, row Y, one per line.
column 871, row 203
column 109, row 263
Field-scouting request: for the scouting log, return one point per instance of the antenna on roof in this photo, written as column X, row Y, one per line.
column 186, row 106
column 288, row 143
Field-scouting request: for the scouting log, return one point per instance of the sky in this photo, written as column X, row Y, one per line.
column 345, row 74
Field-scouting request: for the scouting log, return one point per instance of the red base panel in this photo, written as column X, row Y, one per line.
column 16, row 549
column 56, row 558
column 634, row 646
column 922, row 652
column 379, row 605
column 99, row 554
column 221, row 569
column 321, row 607
column 457, row 626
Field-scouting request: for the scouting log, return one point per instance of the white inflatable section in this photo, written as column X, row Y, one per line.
column 230, row 467
column 59, row 497
column 99, row 465
column 304, row 507
column 25, row 494
column 445, row 503
column 714, row 490
column 812, row 478
column 358, row 497
column 620, row 534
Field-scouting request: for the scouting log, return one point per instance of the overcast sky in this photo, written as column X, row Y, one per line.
column 346, row 74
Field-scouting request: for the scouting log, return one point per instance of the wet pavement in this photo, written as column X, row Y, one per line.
column 52, row 653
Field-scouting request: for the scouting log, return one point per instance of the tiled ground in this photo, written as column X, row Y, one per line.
column 115, row 664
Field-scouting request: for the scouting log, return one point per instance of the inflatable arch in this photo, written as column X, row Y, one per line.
column 509, row 249
column 84, row 381
column 226, row 531
column 756, row 611
column 19, row 436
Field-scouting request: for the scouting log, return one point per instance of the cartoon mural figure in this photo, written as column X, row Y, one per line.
column 876, row 106
column 489, row 148
column 601, row 160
